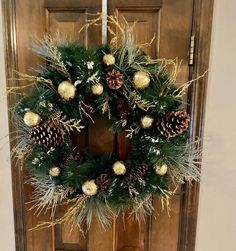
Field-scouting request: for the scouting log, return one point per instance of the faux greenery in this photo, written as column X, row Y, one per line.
column 150, row 149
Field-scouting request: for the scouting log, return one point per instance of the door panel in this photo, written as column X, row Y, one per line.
column 146, row 28
column 170, row 21
column 71, row 21
column 65, row 239
column 132, row 235
column 67, row 17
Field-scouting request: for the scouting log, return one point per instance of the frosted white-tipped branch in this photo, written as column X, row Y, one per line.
column 47, row 49
column 68, row 124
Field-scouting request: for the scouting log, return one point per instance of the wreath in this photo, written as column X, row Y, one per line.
column 138, row 95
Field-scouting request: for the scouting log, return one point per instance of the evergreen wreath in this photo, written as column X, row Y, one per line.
column 138, row 95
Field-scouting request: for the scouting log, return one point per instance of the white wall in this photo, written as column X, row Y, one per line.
column 7, row 239
column 217, row 210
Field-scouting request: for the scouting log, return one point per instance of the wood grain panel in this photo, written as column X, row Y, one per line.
column 66, row 24
column 172, row 28
column 65, row 17
column 101, row 141
column 100, row 239
column 65, row 238
column 35, row 237
column 119, row 4
column 71, row 13
column 132, row 235
column 68, row 21
column 29, row 27
column 164, row 226
column 175, row 32
column 201, row 28
column 146, row 28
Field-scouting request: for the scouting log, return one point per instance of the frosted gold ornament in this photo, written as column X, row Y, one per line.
column 141, row 80
column 97, row 89
column 55, row 171
column 90, row 188
column 66, row 90
column 32, row 119
column 109, row 59
column 146, row 121
column 119, row 168
column 161, row 170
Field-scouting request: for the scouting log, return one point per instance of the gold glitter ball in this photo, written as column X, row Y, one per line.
column 141, row 80
column 119, row 168
column 146, row 121
column 66, row 90
column 161, row 170
column 55, row 171
column 97, row 89
column 90, row 188
column 109, row 59
column 32, row 119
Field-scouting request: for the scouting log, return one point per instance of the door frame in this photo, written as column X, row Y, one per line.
column 201, row 29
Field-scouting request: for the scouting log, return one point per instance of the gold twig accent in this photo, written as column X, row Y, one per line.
column 182, row 89
column 134, row 129
column 69, row 125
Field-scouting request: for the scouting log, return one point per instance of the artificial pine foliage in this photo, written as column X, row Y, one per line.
column 49, row 145
column 103, row 181
column 138, row 172
column 123, row 108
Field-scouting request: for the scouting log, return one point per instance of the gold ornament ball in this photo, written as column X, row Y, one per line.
column 109, row 59
column 55, row 171
column 97, row 89
column 66, row 90
column 141, row 80
column 90, row 188
column 32, row 119
column 119, row 168
column 161, row 170
column 146, row 121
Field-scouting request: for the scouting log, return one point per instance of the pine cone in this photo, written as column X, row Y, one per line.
column 173, row 123
column 138, row 172
column 50, row 135
column 73, row 156
column 115, row 79
column 103, row 181
column 90, row 107
column 123, row 108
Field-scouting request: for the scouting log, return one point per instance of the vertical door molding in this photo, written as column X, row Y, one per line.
column 201, row 29
column 9, row 27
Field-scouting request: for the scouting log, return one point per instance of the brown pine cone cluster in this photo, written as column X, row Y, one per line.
column 123, row 108
column 103, row 181
column 114, row 79
column 73, row 156
column 49, row 135
column 173, row 123
column 138, row 172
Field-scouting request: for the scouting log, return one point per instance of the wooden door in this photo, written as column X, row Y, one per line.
column 171, row 22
